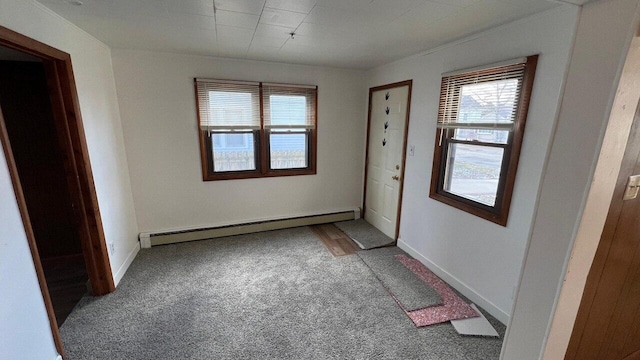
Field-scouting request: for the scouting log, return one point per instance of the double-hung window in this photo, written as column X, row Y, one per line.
column 251, row 129
column 481, row 119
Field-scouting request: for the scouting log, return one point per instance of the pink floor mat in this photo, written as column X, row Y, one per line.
column 453, row 306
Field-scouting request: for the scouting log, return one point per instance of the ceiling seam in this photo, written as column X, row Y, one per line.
column 215, row 20
column 256, row 28
column 297, row 27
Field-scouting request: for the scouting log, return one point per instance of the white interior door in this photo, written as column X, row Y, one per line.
column 385, row 157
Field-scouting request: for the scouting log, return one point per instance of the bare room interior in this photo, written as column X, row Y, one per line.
column 320, row 179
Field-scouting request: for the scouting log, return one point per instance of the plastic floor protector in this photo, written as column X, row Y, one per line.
column 405, row 286
column 453, row 306
column 478, row 326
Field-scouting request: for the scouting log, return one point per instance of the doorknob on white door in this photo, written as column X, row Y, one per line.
column 395, row 177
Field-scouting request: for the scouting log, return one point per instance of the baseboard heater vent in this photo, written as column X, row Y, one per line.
column 153, row 239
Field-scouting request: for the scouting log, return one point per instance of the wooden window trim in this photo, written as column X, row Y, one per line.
column 261, row 146
column 498, row 214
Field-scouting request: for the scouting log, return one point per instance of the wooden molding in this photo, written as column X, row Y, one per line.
column 499, row 213
column 31, row 239
column 610, row 253
column 66, row 109
column 261, row 147
column 408, row 83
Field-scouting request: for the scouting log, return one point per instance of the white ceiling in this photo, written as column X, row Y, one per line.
column 342, row 33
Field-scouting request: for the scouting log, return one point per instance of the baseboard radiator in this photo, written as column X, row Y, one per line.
column 162, row 238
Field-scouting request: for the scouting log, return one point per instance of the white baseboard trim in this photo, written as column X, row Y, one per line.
column 149, row 239
column 125, row 266
column 454, row 282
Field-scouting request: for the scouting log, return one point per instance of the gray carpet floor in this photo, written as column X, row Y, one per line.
column 273, row 295
column 364, row 234
column 410, row 290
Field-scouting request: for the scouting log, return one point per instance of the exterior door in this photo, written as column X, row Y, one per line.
column 386, row 145
column 608, row 322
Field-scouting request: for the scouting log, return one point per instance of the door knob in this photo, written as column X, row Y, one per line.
column 395, row 177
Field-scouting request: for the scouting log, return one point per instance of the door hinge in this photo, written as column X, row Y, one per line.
column 633, row 185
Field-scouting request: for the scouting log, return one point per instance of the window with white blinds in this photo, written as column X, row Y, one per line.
column 289, row 107
column 253, row 129
column 480, row 127
column 226, row 105
column 481, row 99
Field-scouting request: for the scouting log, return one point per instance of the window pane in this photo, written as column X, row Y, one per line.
column 233, row 152
column 473, row 172
column 228, row 108
column 288, row 150
column 236, row 141
column 492, row 136
column 288, row 110
column 486, row 102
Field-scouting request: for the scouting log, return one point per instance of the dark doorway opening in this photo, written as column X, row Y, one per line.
column 38, row 153
column 51, row 174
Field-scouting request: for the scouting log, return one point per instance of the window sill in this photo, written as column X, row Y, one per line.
column 498, row 218
column 255, row 175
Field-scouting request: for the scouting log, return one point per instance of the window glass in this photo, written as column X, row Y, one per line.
column 484, row 135
column 253, row 129
column 288, row 109
column 233, row 152
column 480, row 128
column 230, row 108
column 234, row 141
column 488, row 102
column 288, row 150
column 473, row 172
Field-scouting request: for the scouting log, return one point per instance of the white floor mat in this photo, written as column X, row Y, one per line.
column 478, row 326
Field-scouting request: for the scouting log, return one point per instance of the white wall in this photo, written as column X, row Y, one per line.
column 600, row 195
column 157, row 103
column 480, row 258
column 23, row 324
column 99, row 107
column 602, row 42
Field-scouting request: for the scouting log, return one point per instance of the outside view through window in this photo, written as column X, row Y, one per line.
column 473, row 170
column 234, row 148
column 288, row 146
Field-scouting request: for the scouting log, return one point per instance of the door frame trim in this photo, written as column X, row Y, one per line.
column 630, row 158
column 408, row 83
column 68, row 119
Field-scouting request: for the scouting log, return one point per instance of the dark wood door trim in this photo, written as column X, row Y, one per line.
column 66, row 108
column 606, row 250
column 31, row 239
column 408, row 83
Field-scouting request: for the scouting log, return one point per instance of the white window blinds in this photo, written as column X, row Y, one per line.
column 228, row 105
column 288, row 107
column 481, row 99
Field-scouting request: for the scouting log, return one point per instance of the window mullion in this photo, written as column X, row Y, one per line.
column 264, row 166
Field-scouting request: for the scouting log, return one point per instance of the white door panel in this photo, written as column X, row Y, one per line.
column 385, row 156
